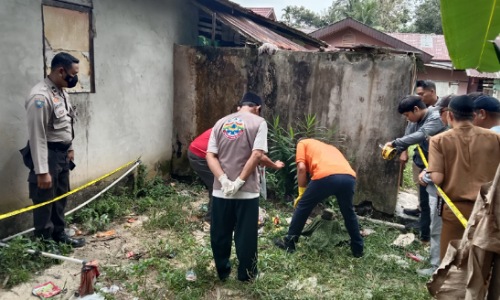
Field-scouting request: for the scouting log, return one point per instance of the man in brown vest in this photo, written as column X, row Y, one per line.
column 235, row 148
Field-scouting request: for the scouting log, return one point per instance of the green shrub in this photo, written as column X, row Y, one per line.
column 282, row 146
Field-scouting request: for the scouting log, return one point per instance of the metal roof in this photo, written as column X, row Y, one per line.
column 475, row 73
column 258, row 28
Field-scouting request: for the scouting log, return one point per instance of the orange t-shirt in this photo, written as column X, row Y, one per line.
column 321, row 159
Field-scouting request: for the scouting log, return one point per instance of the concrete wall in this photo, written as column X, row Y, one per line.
column 131, row 112
column 354, row 93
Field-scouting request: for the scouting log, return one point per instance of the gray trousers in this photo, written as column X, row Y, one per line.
column 436, row 225
column 200, row 166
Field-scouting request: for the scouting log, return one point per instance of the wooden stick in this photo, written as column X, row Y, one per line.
column 390, row 224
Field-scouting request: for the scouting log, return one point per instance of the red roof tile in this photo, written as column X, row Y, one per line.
column 433, row 44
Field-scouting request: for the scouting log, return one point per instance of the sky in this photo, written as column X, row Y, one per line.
column 278, row 5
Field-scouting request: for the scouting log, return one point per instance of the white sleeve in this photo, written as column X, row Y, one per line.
column 260, row 142
column 212, row 144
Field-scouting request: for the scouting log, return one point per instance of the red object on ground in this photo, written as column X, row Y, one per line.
column 415, row 257
column 90, row 272
column 46, row 290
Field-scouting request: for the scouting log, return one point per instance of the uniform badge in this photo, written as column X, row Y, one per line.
column 233, row 128
column 55, row 100
column 39, row 103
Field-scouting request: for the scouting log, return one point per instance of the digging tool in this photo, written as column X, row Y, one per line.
column 89, row 271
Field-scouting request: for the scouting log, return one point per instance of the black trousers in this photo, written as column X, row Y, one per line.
column 240, row 216
column 200, row 166
column 49, row 219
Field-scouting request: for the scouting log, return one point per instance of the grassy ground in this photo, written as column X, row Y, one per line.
column 408, row 183
column 309, row 273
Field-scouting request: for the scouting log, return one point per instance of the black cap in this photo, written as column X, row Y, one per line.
column 444, row 101
column 250, row 97
column 462, row 105
column 487, row 103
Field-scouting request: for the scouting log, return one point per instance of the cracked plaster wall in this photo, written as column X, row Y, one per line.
column 129, row 115
column 355, row 93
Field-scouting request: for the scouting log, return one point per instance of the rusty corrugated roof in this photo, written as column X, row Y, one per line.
column 260, row 33
column 259, row 28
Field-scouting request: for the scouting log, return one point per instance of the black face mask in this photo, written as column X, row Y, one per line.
column 71, row 80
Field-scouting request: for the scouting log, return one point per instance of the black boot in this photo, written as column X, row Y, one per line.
column 65, row 239
column 287, row 243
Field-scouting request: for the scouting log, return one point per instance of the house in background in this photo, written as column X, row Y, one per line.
column 438, row 67
column 267, row 12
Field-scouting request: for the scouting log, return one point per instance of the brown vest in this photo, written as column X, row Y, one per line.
column 235, row 135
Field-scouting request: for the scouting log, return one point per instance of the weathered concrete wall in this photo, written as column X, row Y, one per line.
column 355, row 93
column 131, row 112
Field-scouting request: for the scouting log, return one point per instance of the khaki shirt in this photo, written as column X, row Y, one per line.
column 468, row 156
column 48, row 121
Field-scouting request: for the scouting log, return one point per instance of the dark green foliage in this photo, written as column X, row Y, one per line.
column 282, row 146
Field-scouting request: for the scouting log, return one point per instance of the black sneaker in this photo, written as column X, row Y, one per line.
column 65, row 239
column 412, row 212
column 357, row 254
column 288, row 245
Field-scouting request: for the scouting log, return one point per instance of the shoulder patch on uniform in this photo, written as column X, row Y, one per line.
column 233, row 128
column 39, row 102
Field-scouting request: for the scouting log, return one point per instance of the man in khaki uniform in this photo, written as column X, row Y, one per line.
column 49, row 154
column 461, row 160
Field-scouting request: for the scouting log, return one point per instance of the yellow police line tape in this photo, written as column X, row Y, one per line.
column 452, row 206
column 25, row 209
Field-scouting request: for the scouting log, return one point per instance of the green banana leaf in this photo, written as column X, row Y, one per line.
column 469, row 26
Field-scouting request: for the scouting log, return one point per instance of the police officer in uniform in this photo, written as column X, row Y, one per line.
column 49, row 154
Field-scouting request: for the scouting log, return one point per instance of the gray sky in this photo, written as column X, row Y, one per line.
column 278, row 5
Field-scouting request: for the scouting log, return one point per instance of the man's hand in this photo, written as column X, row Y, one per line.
column 44, row 181
column 403, row 157
column 421, row 178
column 71, row 155
column 279, row 164
column 226, row 183
column 388, row 144
column 234, row 187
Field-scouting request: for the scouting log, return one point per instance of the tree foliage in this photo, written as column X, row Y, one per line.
column 384, row 15
column 428, row 18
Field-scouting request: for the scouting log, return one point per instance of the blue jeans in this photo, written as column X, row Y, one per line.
column 342, row 187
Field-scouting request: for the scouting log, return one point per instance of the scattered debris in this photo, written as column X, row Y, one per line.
column 307, row 284
column 260, row 231
column 415, row 257
column 398, row 260
column 276, row 220
column 46, row 290
column 109, row 233
column 133, row 255
column 262, row 216
column 184, row 193
column 132, row 220
column 404, row 240
column 268, row 48
column 191, row 275
column 111, row 290
column 366, row 232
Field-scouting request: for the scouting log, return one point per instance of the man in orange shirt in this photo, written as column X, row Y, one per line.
column 331, row 175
